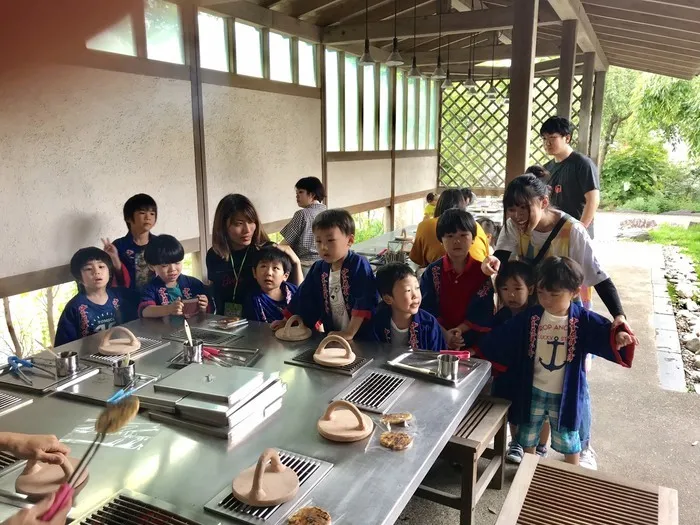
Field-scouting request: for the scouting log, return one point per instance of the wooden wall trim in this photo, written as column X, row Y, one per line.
column 408, row 154
column 129, row 64
column 222, row 78
column 275, row 226
column 346, row 156
column 373, row 205
column 407, row 197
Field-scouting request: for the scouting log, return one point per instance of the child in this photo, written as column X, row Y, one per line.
column 165, row 293
column 449, row 284
column 544, row 349
column 491, row 230
column 298, row 232
column 97, row 307
column 339, row 290
column 429, row 211
column 140, row 215
column 400, row 321
column 271, row 271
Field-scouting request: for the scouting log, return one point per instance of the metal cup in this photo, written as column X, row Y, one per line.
column 448, row 366
column 123, row 375
column 66, row 364
column 193, row 353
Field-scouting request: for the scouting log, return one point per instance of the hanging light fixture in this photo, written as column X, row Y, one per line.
column 439, row 73
column 366, row 58
column 414, row 72
column 448, row 81
column 492, row 93
column 395, row 58
column 470, row 84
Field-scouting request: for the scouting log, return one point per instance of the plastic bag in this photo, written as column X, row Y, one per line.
column 133, row 436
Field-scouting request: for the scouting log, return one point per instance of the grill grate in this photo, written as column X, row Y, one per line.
column 147, row 346
column 7, row 460
column 8, row 403
column 375, row 391
column 208, row 337
column 310, row 471
column 130, row 508
column 306, row 359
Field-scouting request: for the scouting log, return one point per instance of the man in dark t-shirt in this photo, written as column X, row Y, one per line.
column 574, row 177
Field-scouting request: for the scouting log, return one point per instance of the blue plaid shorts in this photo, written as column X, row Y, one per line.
column 545, row 405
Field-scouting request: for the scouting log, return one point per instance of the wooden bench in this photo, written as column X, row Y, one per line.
column 487, row 419
column 547, row 492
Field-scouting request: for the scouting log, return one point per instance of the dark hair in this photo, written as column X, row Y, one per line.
column 468, row 195
column 334, row 218
column 389, row 274
column 272, row 254
column 455, row 220
column 539, row 172
column 139, row 202
column 312, row 185
column 515, row 269
column 86, row 255
column 430, row 197
column 490, row 228
column 559, row 125
column 523, row 190
column 450, row 198
column 229, row 206
column 163, row 249
column 559, row 273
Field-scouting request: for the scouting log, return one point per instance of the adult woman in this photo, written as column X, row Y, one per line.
column 236, row 236
column 297, row 233
column 427, row 248
column 532, row 226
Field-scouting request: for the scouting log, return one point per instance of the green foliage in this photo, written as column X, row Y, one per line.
column 634, row 170
column 368, row 224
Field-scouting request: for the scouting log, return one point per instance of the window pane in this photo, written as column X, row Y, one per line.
column 351, row 109
column 164, row 32
column 280, row 57
column 248, row 50
column 434, row 114
column 384, row 109
column 117, row 39
column 398, row 142
column 368, row 106
column 332, row 102
column 411, row 115
column 213, row 49
column 422, row 114
column 307, row 64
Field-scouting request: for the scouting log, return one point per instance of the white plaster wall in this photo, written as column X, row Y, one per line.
column 416, row 174
column 358, row 181
column 75, row 143
column 259, row 144
column 409, row 213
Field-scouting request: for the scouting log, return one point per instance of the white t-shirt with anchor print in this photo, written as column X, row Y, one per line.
column 550, row 356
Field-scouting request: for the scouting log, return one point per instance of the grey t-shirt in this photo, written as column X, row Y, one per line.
column 571, row 179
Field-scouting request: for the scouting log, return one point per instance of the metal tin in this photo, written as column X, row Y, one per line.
column 123, row 375
column 447, row 366
column 193, row 353
column 66, row 364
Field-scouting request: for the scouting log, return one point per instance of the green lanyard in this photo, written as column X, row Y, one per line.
column 236, row 274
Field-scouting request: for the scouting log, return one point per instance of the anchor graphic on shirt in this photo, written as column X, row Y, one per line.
column 556, row 343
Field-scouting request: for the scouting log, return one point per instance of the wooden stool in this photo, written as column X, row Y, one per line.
column 591, row 497
column 487, row 419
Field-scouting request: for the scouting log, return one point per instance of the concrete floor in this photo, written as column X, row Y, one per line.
column 640, row 431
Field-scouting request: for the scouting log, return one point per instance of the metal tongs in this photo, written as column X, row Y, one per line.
column 126, row 391
column 16, row 365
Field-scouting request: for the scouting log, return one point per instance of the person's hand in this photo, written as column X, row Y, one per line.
column 619, row 320
column 276, row 325
column 623, row 339
column 203, row 302
column 289, row 251
column 44, row 448
column 32, row 516
column 175, row 308
column 490, row 265
column 454, row 338
column 113, row 253
column 345, row 335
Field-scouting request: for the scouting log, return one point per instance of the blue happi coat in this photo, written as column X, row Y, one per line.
column 259, row 306
column 156, row 293
column 424, row 331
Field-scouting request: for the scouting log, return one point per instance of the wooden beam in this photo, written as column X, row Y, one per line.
column 688, row 25
column 650, row 57
column 453, row 23
column 271, row 19
column 587, row 39
column 296, row 8
column 684, row 47
column 644, row 30
column 597, row 116
column 522, row 77
column 670, row 9
column 689, row 68
column 657, row 70
column 565, row 90
column 638, row 46
column 584, row 127
column 483, row 53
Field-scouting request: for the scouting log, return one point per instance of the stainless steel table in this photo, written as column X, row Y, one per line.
column 373, row 246
column 367, row 485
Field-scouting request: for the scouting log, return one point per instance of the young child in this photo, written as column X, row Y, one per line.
column 429, row 211
column 140, row 215
column 544, row 349
column 271, row 271
column 400, row 321
column 491, row 230
column 97, row 306
column 169, row 288
column 449, row 284
column 339, row 290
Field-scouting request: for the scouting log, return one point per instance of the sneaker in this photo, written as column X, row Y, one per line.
column 515, row 452
column 541, row 450
column 587, row 459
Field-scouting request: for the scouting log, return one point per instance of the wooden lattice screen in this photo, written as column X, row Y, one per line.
column 474, row 131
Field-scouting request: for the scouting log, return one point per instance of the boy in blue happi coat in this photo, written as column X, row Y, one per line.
column 169, row 288
column 545, row 348
column 339, row 290
column 98, row 306
column 400, row 320
column 268, row 301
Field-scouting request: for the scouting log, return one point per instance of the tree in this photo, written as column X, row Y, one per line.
column 11, row 328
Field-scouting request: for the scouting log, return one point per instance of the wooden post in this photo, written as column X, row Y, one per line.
column 320, row 51
column 567, row 65
column 584, row 126
column 597, row 116
column 392, row 145
column 522, row 71
column 138, row 20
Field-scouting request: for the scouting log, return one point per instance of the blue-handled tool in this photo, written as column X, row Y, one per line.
column 16, row 365
column 127, row 391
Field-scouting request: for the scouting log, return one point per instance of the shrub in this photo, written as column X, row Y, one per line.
column 634, row 170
